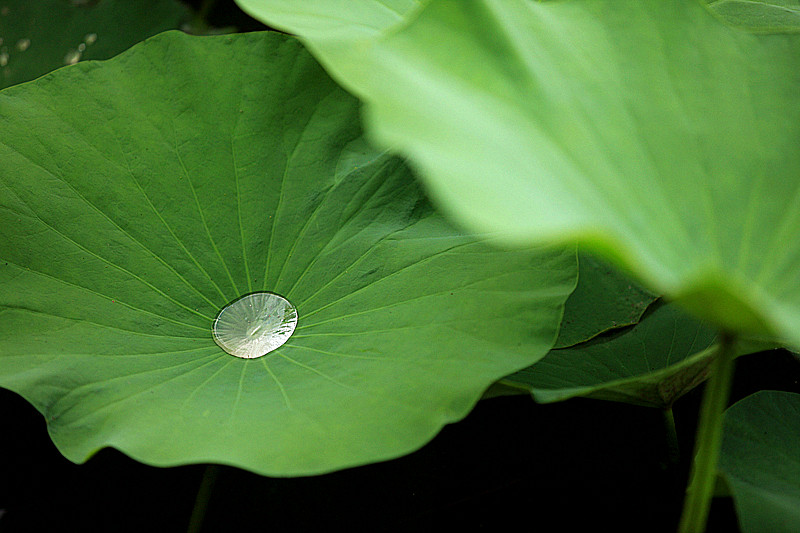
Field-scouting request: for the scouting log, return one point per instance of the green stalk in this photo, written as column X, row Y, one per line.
column 201, row 500
column 709, row 439
column 200, row 23
column 205, row 9
column 673, row 449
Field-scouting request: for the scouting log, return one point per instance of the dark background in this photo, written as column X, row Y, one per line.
column 225, row 14
column 576, row 465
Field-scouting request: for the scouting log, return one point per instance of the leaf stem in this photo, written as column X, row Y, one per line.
column 201, row 500
column 673, row 448
column 199, row 23
column 709, row 439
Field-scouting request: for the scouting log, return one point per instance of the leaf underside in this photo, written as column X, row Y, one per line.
column 649, row 131
column 652, row 364
column 604, row 299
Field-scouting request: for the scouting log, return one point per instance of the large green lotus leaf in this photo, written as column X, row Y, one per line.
column 762, row 16
column 140, row 195
column 648, row 130
column 760, row 461
column 42, row 35
column 338, row 32
column 653, row 363
column 604, row 299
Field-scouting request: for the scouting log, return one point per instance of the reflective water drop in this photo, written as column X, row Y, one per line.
column 255, row 324
column 23, row 44
column 72, row 57
column 3, row 59
column 90, row 38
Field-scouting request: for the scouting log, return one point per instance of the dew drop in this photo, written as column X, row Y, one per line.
column 72, row 57
column 254, row 325
column 3, row 59
column 23, row 44
column 90, row 38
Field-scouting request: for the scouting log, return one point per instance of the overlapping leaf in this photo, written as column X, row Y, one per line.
column 140, row 195
column 760, row 461
column 340, row 33
column 653, row 363
column 648, row 130
column 39, row 36
column 604, row 299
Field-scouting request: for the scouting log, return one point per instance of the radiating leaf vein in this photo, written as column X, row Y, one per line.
column 281, row 191
column 384, row 278
column 110, row 263
column 278, row 382
column 104, row 296
column 127, row 397
column 200, row 211
column 98, row 324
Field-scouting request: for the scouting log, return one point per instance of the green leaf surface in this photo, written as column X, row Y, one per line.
column 647, row 130
column 760, row 461
column 339, row 33
column 761, row 16
column 43, row 35
column 653, row 363
column 604, row 299
column 139, row 195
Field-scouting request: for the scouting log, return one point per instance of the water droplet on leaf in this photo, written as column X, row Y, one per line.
column 90, row 38
column 23, row 44
column 72, row 57
column 254, row 325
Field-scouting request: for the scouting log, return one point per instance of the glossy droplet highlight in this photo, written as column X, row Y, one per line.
column 255, row 324
column 72, row 57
